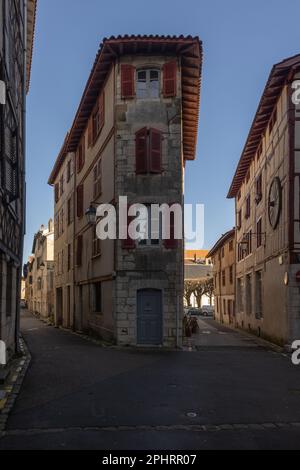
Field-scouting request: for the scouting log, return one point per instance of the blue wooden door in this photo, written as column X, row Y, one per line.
column 149, row 317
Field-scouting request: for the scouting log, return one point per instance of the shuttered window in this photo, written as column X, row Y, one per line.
column 81, row 155
column 97, row 179
column 141, row 151
column 56, row 192
column 79, row 250
column 90, row 132
column 148, row 151
column 169, row 79
column 127, row 81
column 9, row 152
column 96, row 243
column 128, row 243
column 80, row 201
column 171, row 242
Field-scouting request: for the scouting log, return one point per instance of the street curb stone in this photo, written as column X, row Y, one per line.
column 14, row 384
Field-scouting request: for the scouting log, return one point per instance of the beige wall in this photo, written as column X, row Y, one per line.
column 272, row 258
column 223, row 259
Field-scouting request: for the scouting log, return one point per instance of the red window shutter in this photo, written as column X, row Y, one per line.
column 128, row 243
column 141, row 151
column 79, row 250
column 171, row 242
column 127, row 81
column 169, row 79
column 101, row 110
column 155, row 151
column 80, row 201
column 56, row 192
column 82, row 152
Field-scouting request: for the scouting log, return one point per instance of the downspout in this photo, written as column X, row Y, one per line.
column 23, row 194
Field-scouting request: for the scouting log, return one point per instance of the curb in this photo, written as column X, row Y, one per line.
column 13, row 385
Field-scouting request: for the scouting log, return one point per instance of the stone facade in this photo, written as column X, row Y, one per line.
column 109, row 277
column 268, row 240
column 223, row 259
column 40, row 274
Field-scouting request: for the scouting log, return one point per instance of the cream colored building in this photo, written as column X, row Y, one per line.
column 135, row 128
column 40, row 273
column 222, row 256
column 266, row 188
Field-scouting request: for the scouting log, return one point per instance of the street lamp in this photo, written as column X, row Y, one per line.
column 91, row 214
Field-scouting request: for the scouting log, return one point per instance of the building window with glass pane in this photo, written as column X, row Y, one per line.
column 147, row 83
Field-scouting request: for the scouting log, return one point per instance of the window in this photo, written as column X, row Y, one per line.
column 97, row 179
column 248, row 292
column 62, row 227
column 148, row 145
column 9, row 150
column 81, row 155
column 150, row 241
column 69, row 256
column 61, row 184
column 70, row 211
column 97, row 303
column 223, row 278
column 258, row 185
column 56, row 192
column 231, row 274
column 231, row 245
column 240, row 295
column 80, row 201
column 9, row 289
column 259, row 233
column 147, row 83
column 96, row 243
column 239, row 195
column 258, row 295
column 239, row 219
column 69, row 170
column 79, row 250
column 98, row 117
column 248, row 207
column 223, row 251
column 39, row 283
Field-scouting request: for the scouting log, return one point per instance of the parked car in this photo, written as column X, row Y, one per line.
column 207, row 311
column 194, row 312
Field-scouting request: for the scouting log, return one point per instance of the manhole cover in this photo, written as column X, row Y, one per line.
column 192, row 415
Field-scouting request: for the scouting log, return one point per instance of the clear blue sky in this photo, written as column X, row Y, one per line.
column 241, row 40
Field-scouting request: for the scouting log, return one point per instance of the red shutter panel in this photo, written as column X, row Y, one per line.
column 169, row 79
column 79, row 250
column 80, row 201
column 155, row 151
column 101, row 110
column 56, row 192
column 141, row 151
column 128, row 243
column 171, row 242
column 127, row 81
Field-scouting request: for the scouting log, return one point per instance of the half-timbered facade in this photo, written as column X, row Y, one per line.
column 16, row 35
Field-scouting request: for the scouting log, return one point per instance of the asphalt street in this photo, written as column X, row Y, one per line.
column 225, row 391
